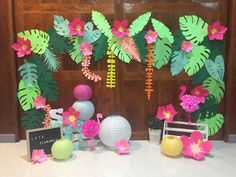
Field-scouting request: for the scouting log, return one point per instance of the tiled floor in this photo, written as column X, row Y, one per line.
column 145, row 160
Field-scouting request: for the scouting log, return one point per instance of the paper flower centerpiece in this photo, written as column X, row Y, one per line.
column 122, row 147
column 216, row 31
column 38, row 156
column 186, row 46
column 151, row 36
column 120, row 28
column 70, row 117
column 166, row 113
column 86, row 48
column 40, row 102
column 194, row 146
column 76, row 27
column 23, row 47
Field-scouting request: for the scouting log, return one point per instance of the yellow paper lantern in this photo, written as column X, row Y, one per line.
column 171, row 146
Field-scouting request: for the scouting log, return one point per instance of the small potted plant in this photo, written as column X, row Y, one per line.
column 155, row 128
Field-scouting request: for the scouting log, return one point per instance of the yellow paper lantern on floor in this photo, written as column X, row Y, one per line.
column 171, row 146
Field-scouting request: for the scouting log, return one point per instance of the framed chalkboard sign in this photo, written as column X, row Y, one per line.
column 42, row 138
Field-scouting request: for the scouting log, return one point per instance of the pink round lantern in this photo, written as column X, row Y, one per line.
column 82, row 92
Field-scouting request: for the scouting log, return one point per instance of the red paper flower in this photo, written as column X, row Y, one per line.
column 70, row 117
column 166, row 113
column 76, row 27
column 186, row 46
column 194, row 146
column 40, row 102
column 23, row 47
column 38, row 156
column 200, row 92
column 216, row 31
column 86, row 48
column 120, row 28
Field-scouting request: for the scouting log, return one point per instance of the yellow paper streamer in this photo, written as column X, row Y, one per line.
column 111, row 72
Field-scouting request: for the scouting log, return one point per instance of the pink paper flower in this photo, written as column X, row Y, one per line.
column 40, row 102
column 86, row 48
column 151, row 36
column 120, row 28
column 190, row 103
column 166, row 113
column 122, row 147
column 76, row 27
column 194, row 146
column 186, row 46
column 38, row 156
column 90, row 129
column 216, row 31
column 70, row 117
column 23, row 47
column 200, row 92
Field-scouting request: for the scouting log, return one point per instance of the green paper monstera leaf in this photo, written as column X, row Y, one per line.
column 26, row 95
column 197, row 57
column 102, row 24
column 51, row 61
column 214, row 123
column 75, row 53
column 216, row 69
column 193, row 28
column 39, row 40
column 138, row 24
column 61, row 26
column 200, row 76
column 33, row 119
column 91, row 35
column 162, row 30
column 178, row 61
column 214, row 88
column 141, row 44
column 28, row 72
column 49, row 89
column 162, row 52
column 100, row 48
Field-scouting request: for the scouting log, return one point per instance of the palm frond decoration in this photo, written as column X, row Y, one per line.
column 51, row 61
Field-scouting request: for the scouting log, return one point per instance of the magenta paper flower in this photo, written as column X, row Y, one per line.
column 40, row 102
column 76, row 27
column 120, row 28
column 194, row 146
column 122, row 147
column 216, row 31
column 151, row 36
column 200, row 92
column 166, row 113
column 70, row 117
column 190, row 103
column 186, row 46
column 90, row 129
column 38, row 156
column 23, row 47
column 86, row 48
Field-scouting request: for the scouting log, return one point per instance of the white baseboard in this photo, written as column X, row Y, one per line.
column 7, row 138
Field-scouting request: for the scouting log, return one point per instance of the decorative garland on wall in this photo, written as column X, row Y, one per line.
column 195, row 48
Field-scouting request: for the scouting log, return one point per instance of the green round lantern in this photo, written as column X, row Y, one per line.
column 62, row 149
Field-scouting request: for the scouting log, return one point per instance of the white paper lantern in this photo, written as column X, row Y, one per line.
column 86, row 109
column 113, row 129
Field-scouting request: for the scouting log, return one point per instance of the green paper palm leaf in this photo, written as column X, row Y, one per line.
column 162, row 30
column 75, row 53
column 178, row 61
column 33, row 119
column 102, row 24
column 49, row 89
column 39, row 40
column 214, row 123
column 28, row 72
column 100, row 48
column 193, row 28
column 91, row 35
column 141, row 44
column 51, row 61
column 214, row 88
column 26, row 95
column 138, row 24
column 162, row 52
column 197, row 56
column 61, row 26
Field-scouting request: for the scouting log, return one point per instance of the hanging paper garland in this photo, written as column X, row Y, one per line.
column 111, row 72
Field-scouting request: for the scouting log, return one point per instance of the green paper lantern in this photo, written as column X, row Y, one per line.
column 62, row 149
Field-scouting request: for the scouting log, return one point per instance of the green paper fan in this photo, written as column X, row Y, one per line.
column 214, row 88
column 102, row 24
column 91, row 35
column 193, row 28
column 33, row 119
column 162, row 30
column 162, row 52
column 28, row 72
column 61, row 26
column 141, row 44
column 100, row 48
column 49, row 89
column 214, row 123
column 75, row 53
column 51, row 61
column 197, row 56
column 26, row 95
column 178, row 61
column 139, row 23
column 39, row 40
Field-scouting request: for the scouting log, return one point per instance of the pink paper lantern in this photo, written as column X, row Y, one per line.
column 82, row 92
